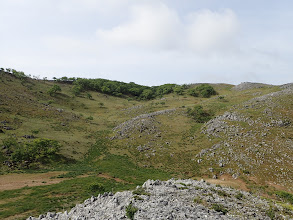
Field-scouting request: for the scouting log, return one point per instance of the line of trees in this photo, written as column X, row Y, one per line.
column 122, row 89
column 117, row 88
column 17, row 74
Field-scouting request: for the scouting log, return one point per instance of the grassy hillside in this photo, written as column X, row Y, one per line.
column 110, row 143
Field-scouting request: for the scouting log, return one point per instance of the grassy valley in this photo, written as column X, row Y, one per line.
column 68, row 139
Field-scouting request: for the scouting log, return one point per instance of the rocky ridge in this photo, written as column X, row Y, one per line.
column 249, row 85
column 174, row 199
column 142, row 123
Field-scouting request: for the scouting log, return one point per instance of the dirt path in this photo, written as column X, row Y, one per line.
column 16, row 181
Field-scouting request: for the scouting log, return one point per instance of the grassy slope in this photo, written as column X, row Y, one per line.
column 24, row 104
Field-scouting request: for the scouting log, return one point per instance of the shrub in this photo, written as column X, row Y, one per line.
column 76, row 90
column 239, row 195
column 130, row 211
column 140, row 191
column 178, row 90
column 89, row 96
column 36, row 151
column 199, row 114
column 96, row 188
column 197, row 200
column 205, row 90
column 222, row 193
column 35, row 131
column 288, row 197
column 147, row 94
column 219, row 208
column 192, row 92
column 19, row 74
column 54, row 89
column 10, row 142
column 271, row 212
column 90, row 118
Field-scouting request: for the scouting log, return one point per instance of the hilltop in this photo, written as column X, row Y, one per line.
column 81, row 133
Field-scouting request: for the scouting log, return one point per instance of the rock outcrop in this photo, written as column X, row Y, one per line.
column 173, row 199
column 249, row 85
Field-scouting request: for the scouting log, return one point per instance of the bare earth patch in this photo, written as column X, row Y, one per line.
column 226, row 180
column 17, row 181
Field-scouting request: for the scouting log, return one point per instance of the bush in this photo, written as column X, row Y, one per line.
column 192, row 92
column 197, row 200
column 178, row 90
column 10, row 142
column 54, row 89
column 90, row 118
column 199, row 114
column 96, row 188
column 76, row 90
column 239, row 196
column 288, row 197
column 205, row 91
column 101, row 104
column 140, row 191
column 36, row 151
column 219, row 208
column 271, row 212
column 147, row 94
column 89, row 96
column 130, row 211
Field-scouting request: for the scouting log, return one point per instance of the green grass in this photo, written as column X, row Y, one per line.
column 130, row 211
column 56, row 197
column 64, row 195
column 287, row 197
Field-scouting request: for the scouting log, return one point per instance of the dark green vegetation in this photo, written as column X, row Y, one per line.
column 70, row 131
column 54, row 89
column 130, row 211
column 199, row 114
column 287, row 197
column 220, row 208
column 29, row 154
column 203, row 90
column 119, row 89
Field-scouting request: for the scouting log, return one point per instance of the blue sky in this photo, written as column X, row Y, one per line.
column 150, row 42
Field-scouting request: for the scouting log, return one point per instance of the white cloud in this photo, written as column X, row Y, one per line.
column 150, row 26
column 210, row 31
column 85, row 6
column 147, row 41
column 160, row 27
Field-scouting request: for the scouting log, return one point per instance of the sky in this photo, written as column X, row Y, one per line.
column 150, row 42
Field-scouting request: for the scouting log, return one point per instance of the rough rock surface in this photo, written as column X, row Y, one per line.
column 249, row 139
column 249, row 85
column 142, row 123
column 173, row 199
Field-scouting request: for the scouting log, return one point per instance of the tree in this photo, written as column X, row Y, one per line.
column 36, row 151
column 147, row 94
column 76, row 90
column 54, row 89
